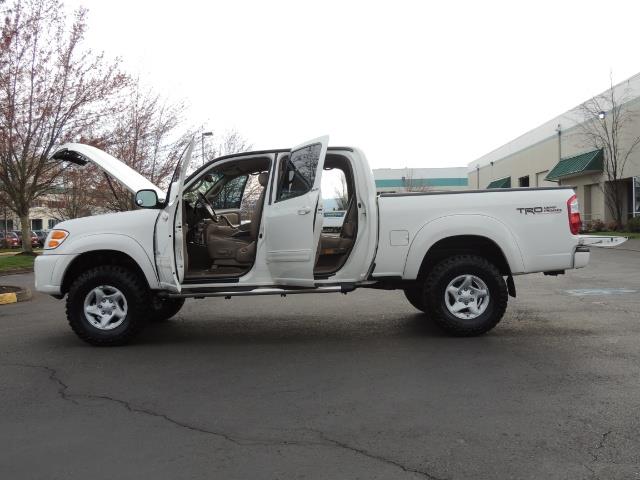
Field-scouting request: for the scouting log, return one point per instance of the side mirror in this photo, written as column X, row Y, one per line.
column 147, row 198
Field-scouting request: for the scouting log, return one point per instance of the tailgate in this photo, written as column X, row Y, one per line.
column 606, row 241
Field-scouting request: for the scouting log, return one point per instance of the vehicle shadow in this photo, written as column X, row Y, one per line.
column 267, row 330
column 274, row 330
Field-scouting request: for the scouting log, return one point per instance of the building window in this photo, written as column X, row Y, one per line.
column 36, row 224
column 8, row 226
column 51, row 223
column 523, row 181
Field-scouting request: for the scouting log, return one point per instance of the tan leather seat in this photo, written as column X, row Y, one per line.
column 233, row 246
column 333, row 250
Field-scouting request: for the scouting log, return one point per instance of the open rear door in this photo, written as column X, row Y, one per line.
column 169, row 236
column 293, row 222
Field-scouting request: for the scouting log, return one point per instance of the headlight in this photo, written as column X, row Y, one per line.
column 55, row 238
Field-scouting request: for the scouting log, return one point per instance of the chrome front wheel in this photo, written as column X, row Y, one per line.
column 108, row 305
column 105, row 307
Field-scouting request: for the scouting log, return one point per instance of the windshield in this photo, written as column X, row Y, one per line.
column 203, row 185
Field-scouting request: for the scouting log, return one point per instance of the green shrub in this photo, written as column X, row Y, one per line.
column 633, row 225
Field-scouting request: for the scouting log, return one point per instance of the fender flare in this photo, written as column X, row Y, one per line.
column 462, row 224
column 117, row 242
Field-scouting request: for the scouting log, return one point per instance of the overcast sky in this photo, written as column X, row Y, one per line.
column 413, row 83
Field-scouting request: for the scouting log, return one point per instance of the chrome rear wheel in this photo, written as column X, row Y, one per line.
column 467, row 297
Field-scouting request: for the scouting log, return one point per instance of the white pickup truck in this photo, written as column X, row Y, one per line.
column 250, row 224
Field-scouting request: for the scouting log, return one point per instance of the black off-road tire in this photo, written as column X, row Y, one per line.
column 415, row 296
column 135, row 291
column 163, row 308
column 448, row 269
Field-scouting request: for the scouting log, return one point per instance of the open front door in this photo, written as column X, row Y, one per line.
column 293, row 222
column 169, row 242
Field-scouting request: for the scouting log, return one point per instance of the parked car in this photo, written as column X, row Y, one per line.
column 11, row 240
column 34, row 238
column 42, row 236
column 454, row 254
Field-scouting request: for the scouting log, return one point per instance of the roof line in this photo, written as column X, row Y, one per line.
column 552, row 123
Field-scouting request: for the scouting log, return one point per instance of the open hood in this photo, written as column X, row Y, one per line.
column 81, row 154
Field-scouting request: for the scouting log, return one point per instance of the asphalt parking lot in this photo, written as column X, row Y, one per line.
column 334, row 387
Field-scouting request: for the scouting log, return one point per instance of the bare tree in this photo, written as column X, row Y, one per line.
column 412, row 184
column 51, row 90
column 341, row 194
column 227, row 143
column 76, row 195
column 607, row 123
column 144, row 135
column 250, row 197
column 233, row 142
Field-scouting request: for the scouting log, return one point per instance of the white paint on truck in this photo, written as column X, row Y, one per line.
column 452, row 253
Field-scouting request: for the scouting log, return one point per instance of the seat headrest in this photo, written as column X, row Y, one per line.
column 263, row 178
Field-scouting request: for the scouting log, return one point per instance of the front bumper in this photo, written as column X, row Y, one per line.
column 49, row 271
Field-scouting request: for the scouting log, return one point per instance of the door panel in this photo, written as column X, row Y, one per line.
column 293, row 223
column 170, row 248
column 233, row 215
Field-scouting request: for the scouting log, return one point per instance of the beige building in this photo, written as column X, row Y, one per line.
column 43, row 214
column 557, row 153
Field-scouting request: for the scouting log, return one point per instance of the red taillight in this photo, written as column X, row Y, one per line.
column 573, row 208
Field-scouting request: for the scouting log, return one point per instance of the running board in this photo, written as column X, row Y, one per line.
column 265, row 291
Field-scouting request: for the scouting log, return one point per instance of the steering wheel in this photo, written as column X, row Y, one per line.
column 208, row 207
column 211, row 212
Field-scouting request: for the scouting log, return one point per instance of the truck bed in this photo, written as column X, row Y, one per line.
column 529, row 225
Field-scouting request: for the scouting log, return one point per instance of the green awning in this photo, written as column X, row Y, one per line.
column 578, row 165
column 501, row 183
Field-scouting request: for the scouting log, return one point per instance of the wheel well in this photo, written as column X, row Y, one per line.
column 96, row 258
column 464, row 244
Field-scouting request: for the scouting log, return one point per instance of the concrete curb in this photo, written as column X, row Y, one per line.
column 21, row 295
column 15, row 271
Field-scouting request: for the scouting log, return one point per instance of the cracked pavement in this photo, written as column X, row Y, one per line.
column 332, row 387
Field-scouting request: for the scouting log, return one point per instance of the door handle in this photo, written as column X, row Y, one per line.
column 304, row 210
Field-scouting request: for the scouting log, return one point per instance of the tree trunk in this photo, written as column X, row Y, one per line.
column 614, row 197
column 25, row 225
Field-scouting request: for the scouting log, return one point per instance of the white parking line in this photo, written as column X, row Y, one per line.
column 583, row 292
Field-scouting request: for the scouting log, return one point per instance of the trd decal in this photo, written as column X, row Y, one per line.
column 539, row 210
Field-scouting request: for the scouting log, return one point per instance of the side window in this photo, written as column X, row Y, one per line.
column 299, row 172
column 250, row 197
column 230, row 195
